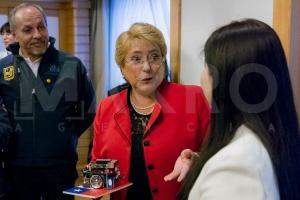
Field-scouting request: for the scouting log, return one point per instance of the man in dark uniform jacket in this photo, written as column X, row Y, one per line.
column 50, row 103
column 5, row 131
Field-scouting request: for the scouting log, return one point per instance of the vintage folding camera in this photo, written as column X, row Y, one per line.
column 101, row 173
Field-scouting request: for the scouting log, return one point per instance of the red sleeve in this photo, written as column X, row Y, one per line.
column 97, row 141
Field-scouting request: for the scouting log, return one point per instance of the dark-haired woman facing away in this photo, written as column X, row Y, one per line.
column 253, row 149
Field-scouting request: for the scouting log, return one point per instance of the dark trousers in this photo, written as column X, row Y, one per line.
column 42, row 183
column 4, row 184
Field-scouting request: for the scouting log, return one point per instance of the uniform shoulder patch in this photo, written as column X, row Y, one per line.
column 9, row 73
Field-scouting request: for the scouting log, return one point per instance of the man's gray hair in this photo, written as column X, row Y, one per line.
column 12, row 13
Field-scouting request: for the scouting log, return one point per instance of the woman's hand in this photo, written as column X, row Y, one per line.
column 182, row 165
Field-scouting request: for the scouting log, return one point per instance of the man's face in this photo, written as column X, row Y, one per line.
column 31, row 32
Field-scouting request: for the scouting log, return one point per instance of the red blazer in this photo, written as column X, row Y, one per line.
column 179, row 120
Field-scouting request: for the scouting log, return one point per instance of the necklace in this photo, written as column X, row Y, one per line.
column 140, row 108
column 144, row 108
column 141, row 113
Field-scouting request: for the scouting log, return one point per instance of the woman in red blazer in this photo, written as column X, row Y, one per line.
column 147, row 126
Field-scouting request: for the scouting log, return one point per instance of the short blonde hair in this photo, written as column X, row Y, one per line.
column 138, row 31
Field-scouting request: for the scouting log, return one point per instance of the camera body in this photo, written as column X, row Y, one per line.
column 101, row 173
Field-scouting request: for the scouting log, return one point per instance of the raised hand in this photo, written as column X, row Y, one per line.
column 182, row 165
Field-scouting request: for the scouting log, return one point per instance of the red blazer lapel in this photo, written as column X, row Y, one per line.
column 153, row 118
column 122, row 117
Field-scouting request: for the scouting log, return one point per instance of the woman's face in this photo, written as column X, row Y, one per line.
column 207, row 84
column 143, row 67
column 8, row 38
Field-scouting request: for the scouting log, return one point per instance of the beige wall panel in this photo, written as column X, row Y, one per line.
column 287, row 25
column 175, row 37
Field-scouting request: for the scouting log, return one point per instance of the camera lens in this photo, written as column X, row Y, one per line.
column 96, row 181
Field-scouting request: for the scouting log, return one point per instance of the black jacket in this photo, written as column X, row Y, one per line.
column 48, row 112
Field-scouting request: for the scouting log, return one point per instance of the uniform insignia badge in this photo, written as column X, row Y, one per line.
column 54, row 69
column 9, row 73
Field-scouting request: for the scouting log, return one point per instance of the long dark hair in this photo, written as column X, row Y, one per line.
column 252, row 87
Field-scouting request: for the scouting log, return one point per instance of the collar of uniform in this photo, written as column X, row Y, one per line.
column 34, row 65
column 28, row 60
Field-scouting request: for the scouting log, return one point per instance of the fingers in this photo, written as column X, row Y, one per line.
column 179, row 174
column 172, row 175
column 182, row 175
column 187, row 153
column 182, row 165
column 184, row 170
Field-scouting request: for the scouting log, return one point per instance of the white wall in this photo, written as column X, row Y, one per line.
column 200, row 17
column 3, row 19
column 53, row 29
